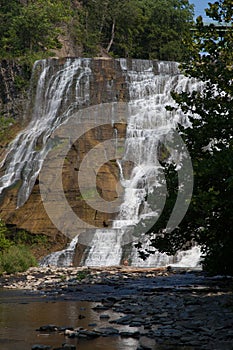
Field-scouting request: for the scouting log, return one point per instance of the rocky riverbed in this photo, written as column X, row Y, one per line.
column 161, row 308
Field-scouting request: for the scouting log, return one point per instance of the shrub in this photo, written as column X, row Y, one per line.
column 82, row 275
column 4, row 242
column 16, row 259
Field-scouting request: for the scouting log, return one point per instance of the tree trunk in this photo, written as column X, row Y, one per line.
column 112, row 36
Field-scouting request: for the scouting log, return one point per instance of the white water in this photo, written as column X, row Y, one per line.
column 188, row 258
column 59, row 91
column 61, row 258
column 148, row 123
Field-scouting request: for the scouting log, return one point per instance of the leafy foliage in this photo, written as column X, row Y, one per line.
column 5, row 128
column 15, row 249
column 129, row 28
column 16, row 259
column 209, row 220
column 82, row 275
column 136, row 28
column 30, row 27
column 4, row 242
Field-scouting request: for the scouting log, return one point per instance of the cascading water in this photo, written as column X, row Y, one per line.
column 64, row 88
column 60, row 90
column 148, row 123
column 61, row 258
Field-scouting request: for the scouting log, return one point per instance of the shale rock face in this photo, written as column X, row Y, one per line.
column 13, row 81
column 107, row 84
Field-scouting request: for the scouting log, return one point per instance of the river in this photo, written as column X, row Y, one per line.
column 21, row 315
column 185, row 310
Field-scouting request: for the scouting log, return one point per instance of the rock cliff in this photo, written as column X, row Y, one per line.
column 14, row 83
column 107, row 84
column 14, row 80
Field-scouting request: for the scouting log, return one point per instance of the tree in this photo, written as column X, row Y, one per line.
column 123, row 28
column 32, row 27
column 111, row 25
column 167, row 28
column 209, row 220
column 138, row 28
column 7, row 12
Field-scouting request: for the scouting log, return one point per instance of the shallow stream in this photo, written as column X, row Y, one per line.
column 20, row 316
column 185, row 311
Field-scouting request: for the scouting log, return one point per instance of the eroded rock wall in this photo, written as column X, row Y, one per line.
column 14, row 81
column 107, row 84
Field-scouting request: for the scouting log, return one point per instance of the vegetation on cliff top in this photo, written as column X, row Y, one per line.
column 30, row 28
column 129, row 28
column 138, row 28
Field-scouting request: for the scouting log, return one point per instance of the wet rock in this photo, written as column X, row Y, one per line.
column 81, row 317
column 70, row 333
column 130, row 334
column 66, row 347
column 112, row 299
column 124, row 320
column 86, row 334
column 48, row 328
column 135, row 324
column 65, row 328
column 40, row 347
column 144, row 347
column 108, row 331
column 171, row 333
column 100, row 308
column 104, row 316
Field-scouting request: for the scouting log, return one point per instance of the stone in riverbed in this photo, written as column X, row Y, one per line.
column 108, row 331
column 48, row 328
column 130, row 334
column 123, row 320
column 86, row 334
column 40, row 347
column 65, row 328
column 70, row 333
column 144, row 347
column 104, row 316
column 66, row 347
column 100, row 308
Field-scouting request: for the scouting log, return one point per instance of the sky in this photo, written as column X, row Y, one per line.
column 200, row 5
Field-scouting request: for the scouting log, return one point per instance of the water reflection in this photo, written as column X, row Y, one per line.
column 19, row 321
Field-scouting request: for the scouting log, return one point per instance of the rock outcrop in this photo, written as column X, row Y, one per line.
column 14, row 82
column 107, row 84
column 14, row 79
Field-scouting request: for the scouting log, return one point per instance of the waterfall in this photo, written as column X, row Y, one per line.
column 61, row 88
column 61, row 258
column 148, row 122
